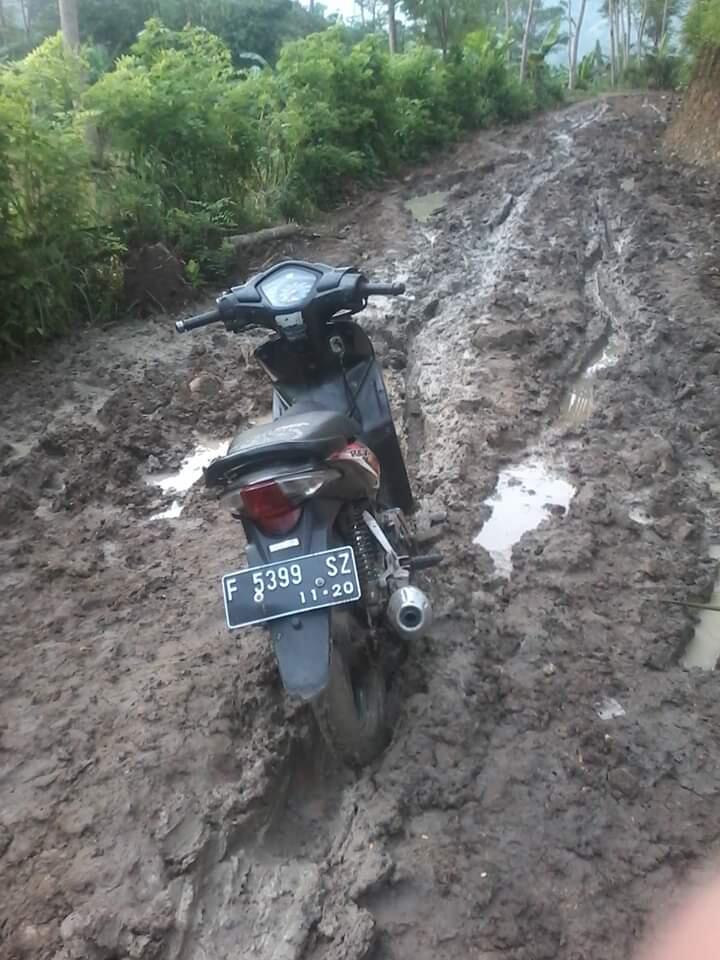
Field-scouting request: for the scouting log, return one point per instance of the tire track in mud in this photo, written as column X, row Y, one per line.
column 506, row 817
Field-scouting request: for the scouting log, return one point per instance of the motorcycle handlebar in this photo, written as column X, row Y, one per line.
column 202, row 320
column 382, row 289
column 214, row 316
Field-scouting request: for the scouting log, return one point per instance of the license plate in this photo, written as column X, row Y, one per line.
column 281, row 589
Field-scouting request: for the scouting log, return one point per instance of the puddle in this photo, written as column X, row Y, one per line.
column 640, row 516
column 180, row 481
column 579, row 402
column 172, row 512
column 521, row 501
column 423, row 207
column 609, row 709
column 704, row 649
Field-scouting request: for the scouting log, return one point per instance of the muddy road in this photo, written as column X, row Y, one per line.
column 554, row 775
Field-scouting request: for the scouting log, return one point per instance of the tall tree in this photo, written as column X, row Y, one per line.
column 25, row 12
column 663, row 29
column 642, row 20
column 575, row 40
column 69, row 25
column 392, row 26
column 526, row 40
column 508, row 25
column 447, row 21
column 628, row 32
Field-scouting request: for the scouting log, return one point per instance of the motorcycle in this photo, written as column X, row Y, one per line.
column 324, row 498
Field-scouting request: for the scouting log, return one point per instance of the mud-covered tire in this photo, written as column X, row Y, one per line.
column 353, row 711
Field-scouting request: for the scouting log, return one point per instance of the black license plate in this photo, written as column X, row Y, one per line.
column 281, row 589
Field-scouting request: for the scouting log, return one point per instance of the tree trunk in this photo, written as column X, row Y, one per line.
column 620, row 35
column 392, row 27
column 627, row 35
column 508, row 21
column 569, row 45
column 641, row 29
column 613, row 64
column 575, row 43
column 664, row 21
column 526, row 41
column 444, row 31
column 25, row 18
column 69, row 25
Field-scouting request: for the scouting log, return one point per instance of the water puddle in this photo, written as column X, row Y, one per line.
column 704, row 649
column 609, row 709
column 522, row 499
column 579, row 401
column 640, row 516
column 180, row 481
column 423, row 207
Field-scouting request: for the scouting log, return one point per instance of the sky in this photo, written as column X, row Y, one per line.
column 594, row 26
column 345, row 7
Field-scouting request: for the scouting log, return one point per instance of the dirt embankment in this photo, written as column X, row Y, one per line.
column 695, row 134
column 554, row 774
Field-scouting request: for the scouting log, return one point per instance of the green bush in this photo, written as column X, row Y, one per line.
column 661, row 69
column 423, row 114
column 481, row 86
column 163, row 101
column 57, row 259
column 702, row 24
column 334, row 111
column 174, row 157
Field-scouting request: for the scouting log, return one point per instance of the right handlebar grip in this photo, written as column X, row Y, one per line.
column 382, row 289
column 202, row 320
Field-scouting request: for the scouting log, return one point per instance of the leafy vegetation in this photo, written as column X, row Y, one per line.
column 702, row 25
column 177, row 143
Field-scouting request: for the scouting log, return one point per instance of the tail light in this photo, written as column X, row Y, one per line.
column 274, row 504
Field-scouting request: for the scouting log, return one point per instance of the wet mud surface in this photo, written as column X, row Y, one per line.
column 554, row 776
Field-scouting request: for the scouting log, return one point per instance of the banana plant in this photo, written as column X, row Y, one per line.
column 536, row 58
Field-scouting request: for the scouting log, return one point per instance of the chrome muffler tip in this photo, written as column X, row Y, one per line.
column 409, row 613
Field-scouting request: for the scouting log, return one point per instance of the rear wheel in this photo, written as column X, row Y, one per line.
column 353, row 711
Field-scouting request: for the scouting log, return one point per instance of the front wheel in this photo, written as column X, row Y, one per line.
column 353, row 711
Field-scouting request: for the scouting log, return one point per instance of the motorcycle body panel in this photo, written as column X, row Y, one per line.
column 304, row 372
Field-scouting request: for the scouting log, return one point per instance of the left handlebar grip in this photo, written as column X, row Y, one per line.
column 382, row 289
column 201, row 320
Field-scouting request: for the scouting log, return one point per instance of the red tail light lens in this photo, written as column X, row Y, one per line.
column 273, row 504
column 269, row 506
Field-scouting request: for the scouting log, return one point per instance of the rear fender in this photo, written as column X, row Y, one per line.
column 301, row 642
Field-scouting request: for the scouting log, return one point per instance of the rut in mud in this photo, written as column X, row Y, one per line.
column 554, row 773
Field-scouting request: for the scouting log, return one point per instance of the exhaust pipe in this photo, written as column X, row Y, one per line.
column 409, row 613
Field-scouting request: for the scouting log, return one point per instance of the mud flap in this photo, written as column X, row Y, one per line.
column 302, row 648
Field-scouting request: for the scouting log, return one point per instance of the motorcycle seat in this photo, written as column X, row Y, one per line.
column 298, row 435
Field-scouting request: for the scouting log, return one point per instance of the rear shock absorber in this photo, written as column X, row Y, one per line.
column 366, row 551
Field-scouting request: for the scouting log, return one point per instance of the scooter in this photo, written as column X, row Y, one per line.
column 324, row 498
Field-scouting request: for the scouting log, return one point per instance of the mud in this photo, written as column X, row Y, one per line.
column 554, row 774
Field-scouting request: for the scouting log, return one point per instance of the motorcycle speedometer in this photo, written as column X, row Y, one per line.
column 288, row 286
